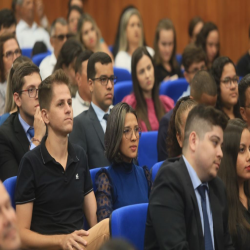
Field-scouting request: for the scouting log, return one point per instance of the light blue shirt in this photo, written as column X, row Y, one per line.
column 26, row 127
column 100, row 113
column 196, row 183
column 185, row 93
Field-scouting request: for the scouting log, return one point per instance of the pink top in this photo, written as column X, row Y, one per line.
column 167, row 103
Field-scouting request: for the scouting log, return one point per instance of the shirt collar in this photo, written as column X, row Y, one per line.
column 99, row 112
column 23, row 25
column 24, row 124
column 78, row 97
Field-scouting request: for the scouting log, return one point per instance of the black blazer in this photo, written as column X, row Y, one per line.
column 88, row 133
column 13, row 145
column 173, row 219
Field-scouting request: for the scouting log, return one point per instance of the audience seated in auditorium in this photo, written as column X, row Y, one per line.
column 243, row 65
column 23, row 130
column 203, row 91
column 74, row 15
column 78, row 3
column 7, row 22
column 90, row 125
column 193, row 60
column 81, row 101
column 167, row 66
column 27, row 30
column 90, row 36
column 58, row 35
column 194, row 28
column 122, row 183
column 244, row 98
column 131, row 37
column 234, row 172
column 66, row 61
column 54, row 188
column 208, row 40
column 224, row 73
column 149, row 106
column 188, row 204
column 9, row 51
column 9, row 235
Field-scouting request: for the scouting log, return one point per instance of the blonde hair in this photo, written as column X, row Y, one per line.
column 123, row 41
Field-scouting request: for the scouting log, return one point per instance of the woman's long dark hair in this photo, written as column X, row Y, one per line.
column 228, row 174
column 141, row 106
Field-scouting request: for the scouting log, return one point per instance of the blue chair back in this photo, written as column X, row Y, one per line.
column 111, row 48
column 174, row 89
column 121, row 90
column 37, row 59
column 10, row 186
column 155, row 169
column 129, row 223
column 179, row 58
column 122, row 74
column 92, row 174
column 27, row 52
column 147, row 150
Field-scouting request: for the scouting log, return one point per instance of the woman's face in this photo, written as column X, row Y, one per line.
column 89, row 36
column 229, row 86
column 74, row 17
column 212, row 45
column 145, row 74
column 243, row 159
column 196, row 31
column 166, row 44
column 130, row 138
column 133, row 30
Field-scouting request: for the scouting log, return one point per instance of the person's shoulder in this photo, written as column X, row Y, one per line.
column 81, row 118
column 171, row 167
column 121, row 54
column 8, row 125
column 45, row 61
column 130, row 100
column 167, row 102
column 166, row 117
column 33, row 155
column 150, row 51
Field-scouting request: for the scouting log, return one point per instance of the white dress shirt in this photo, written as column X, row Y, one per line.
column 47, row 66
column 79, row 105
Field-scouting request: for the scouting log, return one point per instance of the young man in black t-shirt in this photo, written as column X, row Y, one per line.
column 54, row 187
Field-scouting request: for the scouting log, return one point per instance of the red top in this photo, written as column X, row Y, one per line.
column 166, row 101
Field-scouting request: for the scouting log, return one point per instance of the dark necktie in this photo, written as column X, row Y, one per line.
column 207, row 234
column 31, row 132
column 105, row 117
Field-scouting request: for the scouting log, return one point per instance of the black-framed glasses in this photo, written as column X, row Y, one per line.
column 104, row 80
column 228, row 81
column 10, row 54
column 128, row 132
column 195, row 70
column 62, row 36
column 32, row 92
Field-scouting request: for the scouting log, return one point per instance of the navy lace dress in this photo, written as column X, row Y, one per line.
column 121, row 185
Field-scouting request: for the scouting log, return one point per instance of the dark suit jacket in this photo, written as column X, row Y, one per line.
column 13, row 145
column 88, row 133
column 173, row 220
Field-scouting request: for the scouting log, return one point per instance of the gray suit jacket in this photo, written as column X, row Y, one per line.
column 88, row 133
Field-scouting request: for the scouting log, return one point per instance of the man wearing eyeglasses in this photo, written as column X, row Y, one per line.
column 59, row 33
column 23, row 130
column 90, row 126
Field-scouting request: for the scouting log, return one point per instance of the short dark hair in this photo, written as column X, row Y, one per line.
column 192, row 25
column 101, row 57
column 7, row 18
column 60, row 20
column 83, row 56
column 201, row 119
column 244, row 84
column 46, row 87
column 38, row 48
column 202, row 83
column 22, row 70
column 76, row 8
column 192, row 54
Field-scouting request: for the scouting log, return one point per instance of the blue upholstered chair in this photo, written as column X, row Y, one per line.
column 129, row 223
column 155, row 169
column 147, row 150
column 10, row 186
column 37, row 59
column 122, row 74
column 27, row 52
column 121, row 90
column 92, row 174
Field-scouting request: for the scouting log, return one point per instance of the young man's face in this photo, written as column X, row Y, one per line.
column 193, row 69
column 245, row 111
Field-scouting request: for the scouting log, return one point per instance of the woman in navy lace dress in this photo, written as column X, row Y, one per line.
column 122, row 183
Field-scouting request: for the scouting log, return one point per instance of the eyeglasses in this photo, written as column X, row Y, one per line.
column 128, row 132
column 104, row 80
column 228, row 81
column 195, row 70
column 10, row 54
column 62, row 37
column 32, row 92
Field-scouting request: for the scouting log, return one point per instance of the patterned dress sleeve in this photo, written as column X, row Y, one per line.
column 148, row 177
column 104, row 197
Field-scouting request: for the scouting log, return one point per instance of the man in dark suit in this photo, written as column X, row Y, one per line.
column 23, row 130
column 188, row 206
column 90, row 126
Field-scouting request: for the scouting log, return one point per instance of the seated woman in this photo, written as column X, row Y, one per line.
column 131, row 37
column 149, row 106
column 89, row 35
column 235, row 173
column 166, row 64
column 123, row 183
column 208, row 40
column 224, row 73
column 194, row 28
column 73, row 17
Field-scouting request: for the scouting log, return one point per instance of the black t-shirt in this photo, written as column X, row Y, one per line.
column 243, row 65
column 57, row 194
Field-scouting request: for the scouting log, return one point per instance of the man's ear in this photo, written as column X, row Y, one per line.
column 45, row 116
column 91, row 85
column 78, row 79
column 243, row 113
column 17, row 99
column 193, row 141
